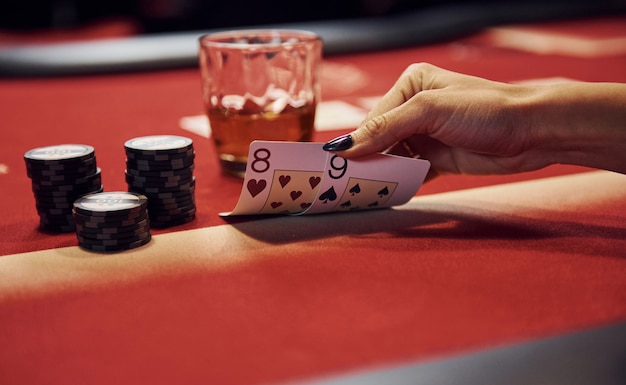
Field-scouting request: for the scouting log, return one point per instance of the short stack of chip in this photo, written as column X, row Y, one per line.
column 61, row 174
column 161, row 168
column 112, row 221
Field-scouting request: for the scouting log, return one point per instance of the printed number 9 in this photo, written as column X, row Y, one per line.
column 262, row 156
column 342, row 168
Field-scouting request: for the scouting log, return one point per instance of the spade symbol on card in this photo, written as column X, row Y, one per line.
column 345, row 204
column 356, row 189
column 255, row 187
column 373, row 204
column 328, row 195
column 383, row 192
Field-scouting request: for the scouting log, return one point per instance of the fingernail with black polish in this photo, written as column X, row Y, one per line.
column 340, row 143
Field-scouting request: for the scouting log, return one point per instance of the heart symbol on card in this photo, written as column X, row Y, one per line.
column 295, row 195
column 255, row 187
column 276, row 204
column 328, row 195
column 283, row 180
column 314, row 181
column 305, row 205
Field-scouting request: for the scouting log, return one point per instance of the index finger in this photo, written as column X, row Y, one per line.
column 406, row 86
column 391, row 120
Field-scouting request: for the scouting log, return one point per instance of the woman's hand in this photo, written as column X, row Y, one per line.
column 469, row 125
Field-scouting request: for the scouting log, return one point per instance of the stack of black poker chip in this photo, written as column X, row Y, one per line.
column 112, row 221
column 60, row 174
column 161, row 168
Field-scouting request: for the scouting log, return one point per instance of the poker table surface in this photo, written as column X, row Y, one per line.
column 471, row 265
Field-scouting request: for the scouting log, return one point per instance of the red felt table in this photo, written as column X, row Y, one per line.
column 470, row 263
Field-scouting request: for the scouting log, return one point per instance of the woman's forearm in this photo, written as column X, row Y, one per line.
column 581, row 123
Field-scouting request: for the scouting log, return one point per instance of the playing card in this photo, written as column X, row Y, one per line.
column 376, row 181
column 300, row 178
column 281, row 178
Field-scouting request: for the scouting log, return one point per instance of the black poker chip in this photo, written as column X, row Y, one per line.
column 158, row 145
column 173, row 220
column 55, row 210
column 56, row 219
column 38, row 164
column 161, row 174
column 105, row 246
column 164, row 217
column 113, row 218
column 77, row 171
column 56, row 223
column 171, row 195
column 53, row 182
column 159, row 157
column 160, row 190
column 101, row 228
column 54, row 201
column 138, row 177
column 70, row 195
column 101, row 223
column 65, row 202
column 59, row 175
column 161, row 168
column 162, row 211
column 62, row 197
column 111, row 204
column 57, row 227
column 173, row 212
column 63, row 154
column 161, row 184
column 166, row 198
column 129, row 236
column 112, row 221
column 169, row 205
column 67, row 188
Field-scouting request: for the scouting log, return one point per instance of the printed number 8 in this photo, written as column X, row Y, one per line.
column 262, row 156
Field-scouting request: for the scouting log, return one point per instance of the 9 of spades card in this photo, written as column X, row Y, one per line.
column 376, row 181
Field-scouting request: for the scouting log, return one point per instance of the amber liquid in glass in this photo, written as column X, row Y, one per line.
column 234, row 130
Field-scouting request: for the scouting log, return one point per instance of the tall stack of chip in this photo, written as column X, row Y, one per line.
column 161, row 168
column 112, row 221
column 60, row 174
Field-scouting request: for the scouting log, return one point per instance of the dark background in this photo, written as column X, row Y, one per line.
column 185, row 15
